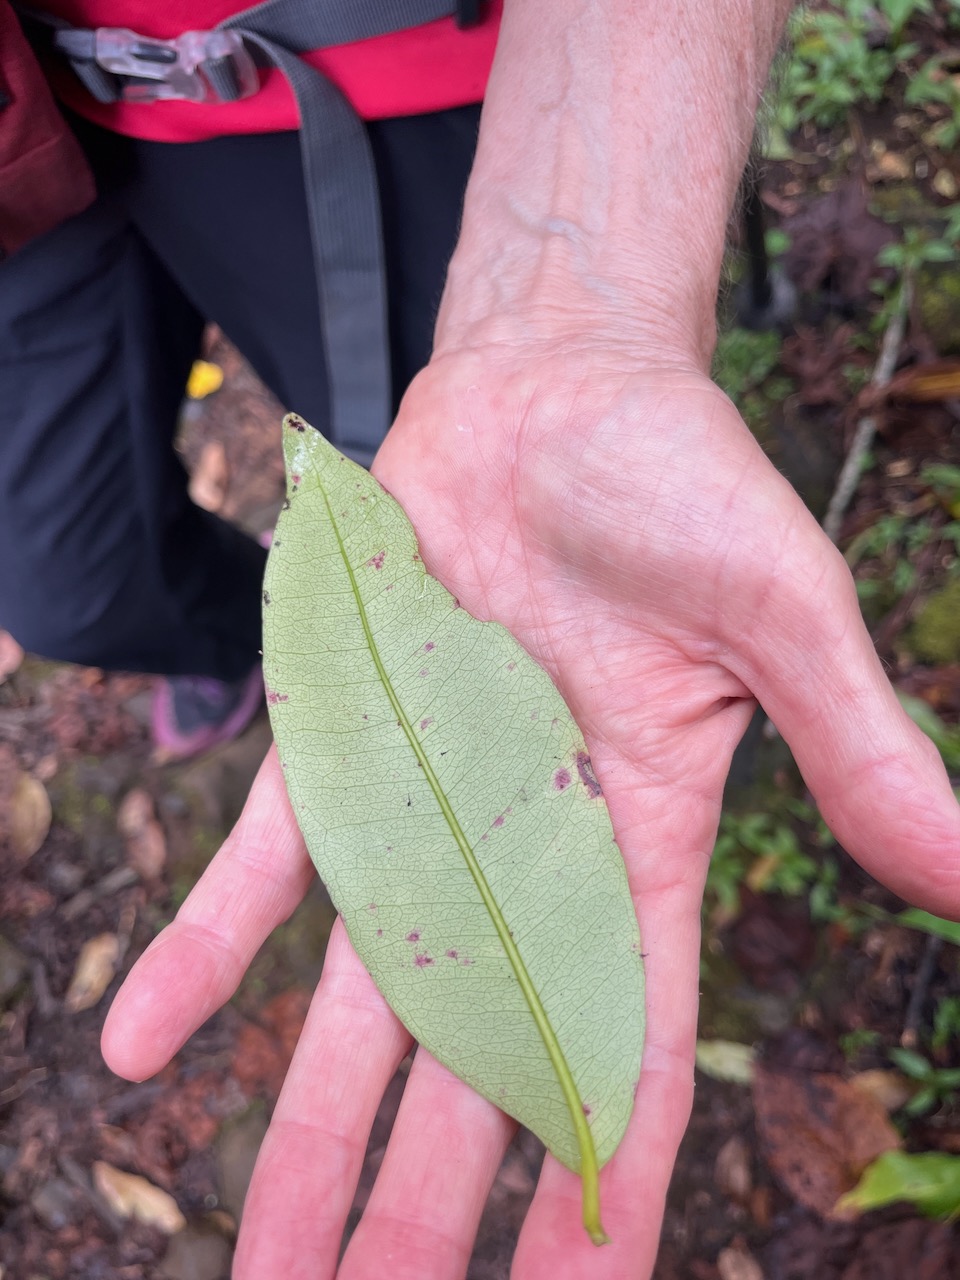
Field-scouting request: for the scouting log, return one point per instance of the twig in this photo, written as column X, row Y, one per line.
column 115, row 880
column 867, row 426
column 921, row 985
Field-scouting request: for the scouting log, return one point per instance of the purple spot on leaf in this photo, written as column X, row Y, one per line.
column 424, row 671
column 371, row 906
column 561, row 780
column 413, row 936
column 295, row 423
column 498, row 822
column 587, row 776
column 586, row 1108
column 452, row 955
column 429, row 647
column 421, row 960
column 378, row 559
column 379, row 933
column 274, row 698
column 426, row 722
column 295, row 479
column 511, row 666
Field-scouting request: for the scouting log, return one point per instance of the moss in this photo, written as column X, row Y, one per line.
column 938, row 300
column 935, row 634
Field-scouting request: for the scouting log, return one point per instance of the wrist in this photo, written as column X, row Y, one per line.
column 613, row 138
column 549, row 289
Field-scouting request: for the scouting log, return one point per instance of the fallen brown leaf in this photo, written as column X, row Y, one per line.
column 208, row 484
column 818, row 1133
column 888, row 1088
column 28, row 815
column 134, row 1197
column 262, row 1053
column 96, row 966
column 145, row 841
column 926, row 383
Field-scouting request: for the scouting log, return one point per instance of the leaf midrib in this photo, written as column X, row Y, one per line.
column 588, row 1156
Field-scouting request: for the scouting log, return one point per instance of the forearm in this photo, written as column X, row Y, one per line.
column 613, row 138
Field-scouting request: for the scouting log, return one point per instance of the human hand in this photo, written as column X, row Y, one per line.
column 627, row 529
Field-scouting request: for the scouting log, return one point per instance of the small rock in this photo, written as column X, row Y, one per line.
column 66, row 878
column 132, row 1196
column 738, row 1264
column 13, row 969
column 732, row 1169
column 199, row 1252
column 96, row 966
column 237, row 1148
column 54, row 1204
column 944, row 184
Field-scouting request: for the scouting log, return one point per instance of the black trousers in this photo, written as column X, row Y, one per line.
column 103, row 558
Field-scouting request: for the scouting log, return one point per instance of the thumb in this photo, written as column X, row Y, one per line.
column 878, row 780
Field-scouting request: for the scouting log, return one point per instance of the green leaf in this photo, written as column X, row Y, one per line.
column 914, row 918
column 931, row 1181
column 448, row 801
column 726, row 1060
column 944, row 737
column 912, row 1064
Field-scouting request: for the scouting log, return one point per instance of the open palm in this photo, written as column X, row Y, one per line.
column 632, row 536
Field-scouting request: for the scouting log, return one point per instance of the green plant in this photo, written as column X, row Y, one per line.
column 899, row 13
column 932, row 85
column 853, row 1043
column 946, row 739
column 930, row 1180
column 761, row 850
column 916, row 249
column 935, row 1085
column 944, row 480
column 745, row 366
column 946, row 1023
column 836, row 64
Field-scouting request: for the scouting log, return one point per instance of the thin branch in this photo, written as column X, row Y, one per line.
column 849, row 476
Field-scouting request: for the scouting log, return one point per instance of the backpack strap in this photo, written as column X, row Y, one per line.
column 338, row 170
column 342, row 200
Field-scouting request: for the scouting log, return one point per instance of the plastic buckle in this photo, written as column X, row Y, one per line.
column 198, row 66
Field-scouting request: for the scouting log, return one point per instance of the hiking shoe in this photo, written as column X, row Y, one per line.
column 192, row 714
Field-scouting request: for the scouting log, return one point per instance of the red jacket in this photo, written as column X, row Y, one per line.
column 44, row 177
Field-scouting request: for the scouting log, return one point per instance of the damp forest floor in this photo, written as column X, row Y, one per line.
column 830, row 1021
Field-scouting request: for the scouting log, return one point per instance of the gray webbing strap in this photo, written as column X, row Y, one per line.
column 342, row 200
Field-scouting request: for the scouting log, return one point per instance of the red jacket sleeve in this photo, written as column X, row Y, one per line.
column 44, row 177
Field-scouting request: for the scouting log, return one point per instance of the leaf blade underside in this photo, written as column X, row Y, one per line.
column 448, row 802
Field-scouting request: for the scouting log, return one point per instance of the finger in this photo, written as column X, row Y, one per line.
column 194, row 966
column 310, row 1161
column 879, row 781
column 666, row 829
column 446, row 1147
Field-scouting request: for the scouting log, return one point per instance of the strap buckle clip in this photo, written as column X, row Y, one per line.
column 198, row 66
